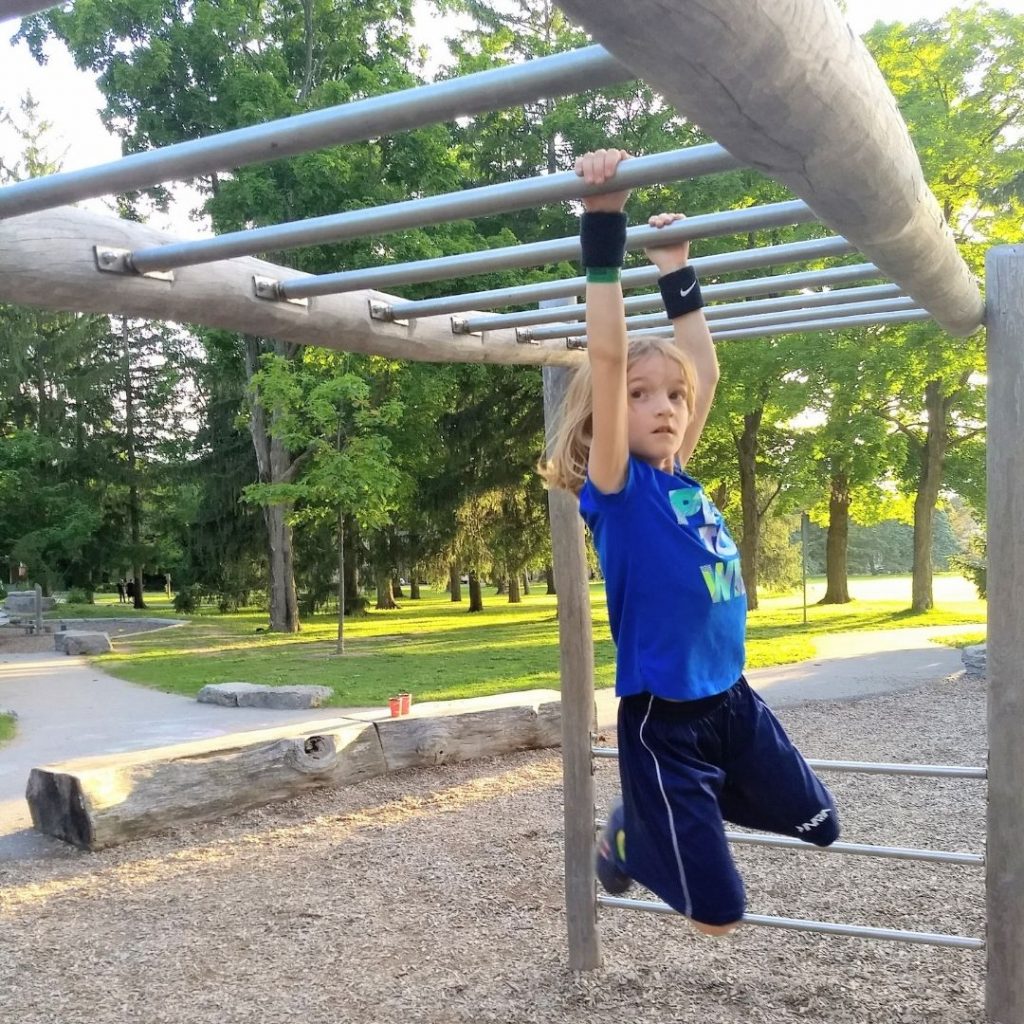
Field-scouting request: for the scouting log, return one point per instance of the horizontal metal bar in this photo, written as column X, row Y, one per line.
column 927, row 771
column 563, row 73
column 763, row 313
column 475, row 202
column 861, row 849
column 930, row 771
column 824, row 927
column 851, row 849
column 553, row 251
column 839, row 323
column 720, row 263
column 845, row 310
column 770, row 284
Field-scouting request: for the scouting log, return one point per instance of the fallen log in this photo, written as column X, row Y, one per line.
column 99, row 802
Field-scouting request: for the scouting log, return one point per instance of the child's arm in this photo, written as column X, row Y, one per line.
column 691, row 335
column 606, row 322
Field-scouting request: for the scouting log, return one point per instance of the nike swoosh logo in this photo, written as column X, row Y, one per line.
column 683, row 294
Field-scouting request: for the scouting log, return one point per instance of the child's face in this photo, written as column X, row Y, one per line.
column 658, row 414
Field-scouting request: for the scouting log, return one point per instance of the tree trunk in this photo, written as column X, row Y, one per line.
column 340, row 646
column 526, row 583
column 396, row 585
column 501, row 585
column 476, row 593
column 284, row 603
column 385, row 598
column 134, row 511
column 933, row 463
column 455, row 582
column 274, row 463
column 549, row 578
column 352, row 603
column 746, row 446
column 514, row 593
column 414, row 584
column 837, row 585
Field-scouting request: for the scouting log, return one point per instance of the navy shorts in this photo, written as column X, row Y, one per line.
column 686, row 766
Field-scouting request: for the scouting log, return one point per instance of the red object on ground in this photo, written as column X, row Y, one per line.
column 395, row 704
column 406, row 702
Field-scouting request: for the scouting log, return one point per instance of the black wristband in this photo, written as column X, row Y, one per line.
column 680, row 291
column 603, row 239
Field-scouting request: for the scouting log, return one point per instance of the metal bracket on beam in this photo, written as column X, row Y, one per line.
column 576, row 344
column 119, row 261
column 382, row 311
column 459, row 327
column 525, row 336
column 269, row 288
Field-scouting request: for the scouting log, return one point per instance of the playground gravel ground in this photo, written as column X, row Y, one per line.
column 435, row 897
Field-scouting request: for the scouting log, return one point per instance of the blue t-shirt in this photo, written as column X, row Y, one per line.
column 676, row 600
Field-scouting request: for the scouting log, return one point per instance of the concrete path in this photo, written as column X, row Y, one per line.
column 67, row 708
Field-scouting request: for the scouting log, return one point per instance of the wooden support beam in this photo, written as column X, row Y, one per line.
column 47, row 260
column 1004, row 996
column 99, row 802
column 576, row 668
column 790, row 89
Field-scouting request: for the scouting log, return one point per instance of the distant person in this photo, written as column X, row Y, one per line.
column 122, row 592
column 696, row 744
column 129, row 588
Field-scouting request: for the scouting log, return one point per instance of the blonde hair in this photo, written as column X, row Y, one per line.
column 569, row 449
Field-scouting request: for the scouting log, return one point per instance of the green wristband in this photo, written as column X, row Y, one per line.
column 602, row 275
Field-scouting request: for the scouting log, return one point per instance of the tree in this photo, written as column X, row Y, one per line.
column 320, row 407
column 959, row 85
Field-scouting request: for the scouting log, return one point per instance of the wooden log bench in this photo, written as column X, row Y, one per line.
column 98, row 802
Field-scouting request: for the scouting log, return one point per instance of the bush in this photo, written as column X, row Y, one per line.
column 79, row 595
column 187, row 600
column 973, row 564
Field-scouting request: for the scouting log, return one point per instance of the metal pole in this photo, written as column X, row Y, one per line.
column 564, row 73
column 827, row 927
column 975, row 860
column 636, row 303
column 841, row 323
column 535, row 254
column 478, row 202
column 1004, row 991
column 803, row 558
column 39, row 610
column 576, row 662
column 522, row 295
column 925, row 771
column 751, row 317
column 860, row 850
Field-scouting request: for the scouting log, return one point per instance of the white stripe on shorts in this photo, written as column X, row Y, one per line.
column 668, row 809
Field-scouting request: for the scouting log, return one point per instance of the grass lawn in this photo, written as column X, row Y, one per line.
column 7, row 728
column 437, row 651
column 961, row 639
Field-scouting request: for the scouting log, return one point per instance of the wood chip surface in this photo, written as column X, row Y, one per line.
column 435, row 897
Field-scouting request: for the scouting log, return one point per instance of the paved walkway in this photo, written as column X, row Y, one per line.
column 67, row 708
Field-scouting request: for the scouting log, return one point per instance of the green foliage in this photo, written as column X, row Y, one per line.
column 8, row 727
column 187, row 600
column 973, row 564
column 78, row 595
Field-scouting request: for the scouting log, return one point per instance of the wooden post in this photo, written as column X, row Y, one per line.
column 39, row 610
column 1004, row 995
column 579, row 720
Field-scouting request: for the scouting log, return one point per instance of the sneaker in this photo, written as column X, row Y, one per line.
column 610, row 859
